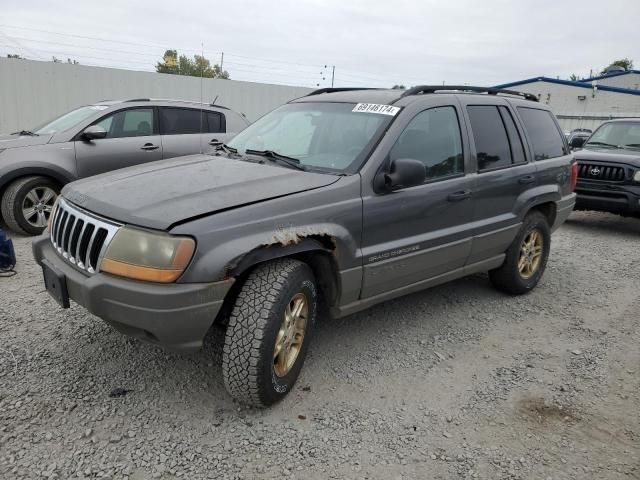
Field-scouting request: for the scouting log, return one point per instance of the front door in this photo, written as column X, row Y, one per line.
column 419, row 233
column 131, row 139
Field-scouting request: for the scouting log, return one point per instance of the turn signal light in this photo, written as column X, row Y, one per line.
column 574, row 176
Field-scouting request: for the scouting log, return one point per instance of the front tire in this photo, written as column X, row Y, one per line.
column 269, row 331
column 27, row 204
column 526, row 257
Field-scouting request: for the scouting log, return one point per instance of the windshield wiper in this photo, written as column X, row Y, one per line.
column 226, row 148
column 603, row 144
column 633, row 145
column 25, row 133
column 278, row 158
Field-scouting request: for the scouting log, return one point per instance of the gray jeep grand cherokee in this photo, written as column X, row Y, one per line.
column 348, row 197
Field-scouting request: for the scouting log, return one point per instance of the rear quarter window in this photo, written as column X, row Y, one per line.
column 546, row 139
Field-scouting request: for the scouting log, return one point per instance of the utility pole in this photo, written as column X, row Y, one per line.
column 333, row 74
column 221, row 61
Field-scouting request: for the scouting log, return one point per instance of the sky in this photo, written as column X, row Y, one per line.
column 370, row 43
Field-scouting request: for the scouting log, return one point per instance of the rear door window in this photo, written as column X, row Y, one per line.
column 490, row 136
column 181, row 121
column 215, row 122
column 545, row 137
column 515, row 141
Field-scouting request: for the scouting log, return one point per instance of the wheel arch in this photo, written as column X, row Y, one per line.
column 317, row 251
column 549, row 209
column 60, row 178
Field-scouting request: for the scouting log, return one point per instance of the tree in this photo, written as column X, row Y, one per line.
column 199, row 66
column 15, row 55
column 574, row 77
column 625, row 63
column 398, row 87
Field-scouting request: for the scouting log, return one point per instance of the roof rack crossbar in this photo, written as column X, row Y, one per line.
column 138, row 100
column 337, row 89
column 425, row 89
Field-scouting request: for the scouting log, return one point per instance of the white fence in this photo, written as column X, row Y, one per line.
column 32, row 92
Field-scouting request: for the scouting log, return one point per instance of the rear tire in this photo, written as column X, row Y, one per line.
column 27, row 204
column 526, row 257
column 269, row 331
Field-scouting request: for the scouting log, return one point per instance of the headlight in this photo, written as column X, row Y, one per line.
column 636, row 177
column 152, row 257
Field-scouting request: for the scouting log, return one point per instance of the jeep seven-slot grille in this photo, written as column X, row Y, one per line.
column 81, row 239
column 590, row 171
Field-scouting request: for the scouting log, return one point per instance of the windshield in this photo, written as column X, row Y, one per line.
column 68, row 120
column 618, row 134
column 324, row 136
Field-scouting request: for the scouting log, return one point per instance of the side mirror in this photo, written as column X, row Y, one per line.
column 577, row 142
column 94, row 132
column 404, row 172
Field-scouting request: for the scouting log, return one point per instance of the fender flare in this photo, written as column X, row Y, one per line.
column 323, row 265
column 261, row 254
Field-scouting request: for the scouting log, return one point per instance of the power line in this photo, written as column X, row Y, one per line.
column 87, row 37
column 260, row 60
column 87, row 47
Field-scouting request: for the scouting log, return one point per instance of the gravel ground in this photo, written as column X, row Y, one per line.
column 458, row 381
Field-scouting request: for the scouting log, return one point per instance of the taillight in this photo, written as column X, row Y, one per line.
column 574, row 176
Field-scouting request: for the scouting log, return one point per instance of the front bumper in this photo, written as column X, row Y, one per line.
column 622, row 200
column 176, row 316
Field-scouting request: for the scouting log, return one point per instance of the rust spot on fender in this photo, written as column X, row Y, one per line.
column 285, row 236
column 291, row 235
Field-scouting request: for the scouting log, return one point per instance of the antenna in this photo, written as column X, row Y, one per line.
column 201, row 104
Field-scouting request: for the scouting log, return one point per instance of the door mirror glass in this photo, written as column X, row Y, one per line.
column 94, row 132
column 404, row 172
column 577, row 142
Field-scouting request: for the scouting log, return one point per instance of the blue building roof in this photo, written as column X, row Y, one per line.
column 614, row 74
column 571, row 83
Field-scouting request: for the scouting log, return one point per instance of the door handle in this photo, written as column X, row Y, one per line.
column 149, row 146
column 527, row 179
column 462, row 195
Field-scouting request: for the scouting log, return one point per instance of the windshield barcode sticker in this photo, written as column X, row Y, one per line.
column 376, row 108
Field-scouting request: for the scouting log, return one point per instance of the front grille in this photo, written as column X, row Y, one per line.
column 609, row 173
column 79, row 237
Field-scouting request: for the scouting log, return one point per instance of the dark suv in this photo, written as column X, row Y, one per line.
column 35, row 164
column 348, row 197
column 609, row 169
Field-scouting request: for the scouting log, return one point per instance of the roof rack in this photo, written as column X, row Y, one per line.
column 211, row 104
column 425, row 89
column 338, row 89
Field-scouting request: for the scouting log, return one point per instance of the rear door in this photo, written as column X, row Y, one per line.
column 181, row 130
column 418, row 233
column 504, row 173
column 132, row 139
column 186, row 131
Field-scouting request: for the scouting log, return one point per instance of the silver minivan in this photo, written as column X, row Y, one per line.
column 93, row 139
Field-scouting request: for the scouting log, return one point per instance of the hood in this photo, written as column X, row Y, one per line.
column 15, row 141
column 630, row 157
column 160, row 194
